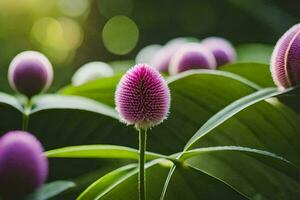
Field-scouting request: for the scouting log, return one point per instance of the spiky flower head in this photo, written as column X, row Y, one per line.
column 191, row 56
column 222, row 49
column 91, row 71
column 142, row 97
column 285, row 61
column 23, row 167
column 30, row 73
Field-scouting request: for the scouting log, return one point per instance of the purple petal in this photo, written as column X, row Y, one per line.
column 192, row 56
column 279, row 58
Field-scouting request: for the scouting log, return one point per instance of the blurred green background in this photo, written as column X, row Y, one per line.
column 74, row 32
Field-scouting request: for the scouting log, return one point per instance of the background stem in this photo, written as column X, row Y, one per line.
column 27, row 109
column 142, row 179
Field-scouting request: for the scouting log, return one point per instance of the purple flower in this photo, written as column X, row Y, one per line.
column 30, row 73
column 285, row 61
column 142, row 97
column 223, row 51
column 191, row 56
column 23, row 167
column 162, row 58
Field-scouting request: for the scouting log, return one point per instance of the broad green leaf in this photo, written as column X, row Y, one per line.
column 224, row 129
column 10, row 113
column 291, row 100
column 255, row 72
column 105, row 183
column 100, row 151
column 252, row 172
column 101, row 90
column 196, row 96
column 265, row 123
column 254, row 53
column 70, row 120
column 84, row 181
column 188, row 183
column 50, row 190
column 231, row 110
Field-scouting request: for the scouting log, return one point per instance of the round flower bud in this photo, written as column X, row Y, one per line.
column 146, row 54
column 222, row 49
column 142, row 97
column 285, row 61
column 162, row 58
column 191, row 56
column 91, row 71
column 23, row 167
column 30, row 73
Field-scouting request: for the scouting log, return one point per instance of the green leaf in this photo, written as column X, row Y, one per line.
column 10, row 113
column 231, row 110
column 255, row 72
column 196, row 96
column 264, row 123
column 101, row 90
column 254, row 173
column 188, row 183
column 105, row 183
column 254, row 53
column 259, row 119
column 291, row 99
column 51, row 190
column 100, row 151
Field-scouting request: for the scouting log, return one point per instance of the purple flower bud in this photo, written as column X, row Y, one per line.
column 23, row 167
column 142, row 97
column 162, row 58
column 223, row 51
column 285, row 61
column 30, row 73
column 191, row 56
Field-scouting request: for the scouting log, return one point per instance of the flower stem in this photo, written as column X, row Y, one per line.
column 142, row 148
column 27, row 109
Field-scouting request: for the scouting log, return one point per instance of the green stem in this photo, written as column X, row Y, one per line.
column 142, row 179
column 27, row 109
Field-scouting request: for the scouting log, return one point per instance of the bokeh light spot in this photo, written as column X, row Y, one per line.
column 110, row 8
column 120, row 35
column 73, row 32
column 73, row 8
column 47, row 31
column 57, row 38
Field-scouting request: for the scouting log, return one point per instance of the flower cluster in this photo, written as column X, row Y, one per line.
column 182, row 54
